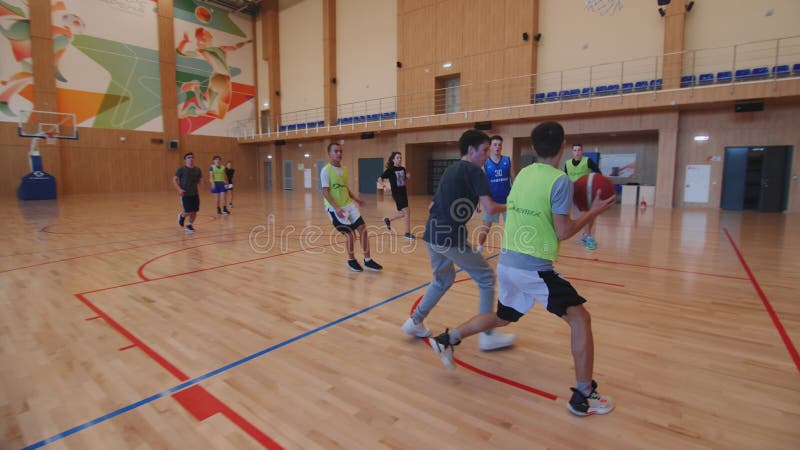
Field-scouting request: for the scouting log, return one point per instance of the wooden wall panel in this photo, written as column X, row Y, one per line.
column 516, row 63
column 450, row 31
column 406, row 6
column 519, row 18
column 417, row 33
column 329, row 57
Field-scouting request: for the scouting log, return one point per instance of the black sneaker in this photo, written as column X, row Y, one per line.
column 189, row 229
column 372, row 265
column 443, row 348
column 181, row 219
column 410, row 237
column 230, row 204
column 581, row 405
column 353, row 265
column 388, row 223
column 225, row 211
column 219, row 210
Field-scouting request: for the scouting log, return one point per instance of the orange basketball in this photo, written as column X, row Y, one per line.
column 586, row 187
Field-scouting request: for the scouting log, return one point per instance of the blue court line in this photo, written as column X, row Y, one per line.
column 216, row 372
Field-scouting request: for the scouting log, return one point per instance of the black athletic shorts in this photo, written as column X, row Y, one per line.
column 401, row 201
column 191, row 203
column 344, row 228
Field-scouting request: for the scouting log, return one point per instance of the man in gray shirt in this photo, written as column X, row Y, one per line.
column 185, row 181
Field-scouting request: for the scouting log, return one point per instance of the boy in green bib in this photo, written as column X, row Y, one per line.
column 340, row 204
column 538, row 218
column 575, row 168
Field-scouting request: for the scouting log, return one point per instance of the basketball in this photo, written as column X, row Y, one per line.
column 586, row 188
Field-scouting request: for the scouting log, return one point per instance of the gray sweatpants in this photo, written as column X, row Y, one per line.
column 443, row 260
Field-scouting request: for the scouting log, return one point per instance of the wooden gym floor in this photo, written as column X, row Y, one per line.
column 118, row 331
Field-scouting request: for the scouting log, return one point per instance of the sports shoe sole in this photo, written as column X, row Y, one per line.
column 445, row 354
column 588, row 413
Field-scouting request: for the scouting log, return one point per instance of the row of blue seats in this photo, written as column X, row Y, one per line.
column 368, row 118
column 726, row 76
column 610, row 89
column 340, row 121
column 301, row 126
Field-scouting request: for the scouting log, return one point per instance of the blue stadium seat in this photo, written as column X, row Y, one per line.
column 587, row 91
column 724, row 76
column 743, row 74
column 656, row 84
column 687, row 80
column 796, row 69
column 552, row 95
column 601, row 90
column 574, row 93
column 760, row 72
column 627, row 87
column 781, row 71
column 640, row 86
column 706, row 78
column 612, row 89
column 539, row 97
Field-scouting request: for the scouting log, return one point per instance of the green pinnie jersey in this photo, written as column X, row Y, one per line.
column 338, row 187
column 529, row 229
column 575, row 172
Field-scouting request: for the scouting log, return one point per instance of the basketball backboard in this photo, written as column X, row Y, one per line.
column 47, row 124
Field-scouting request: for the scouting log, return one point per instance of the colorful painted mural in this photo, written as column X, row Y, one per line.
column 215, row 73
column 106, row 61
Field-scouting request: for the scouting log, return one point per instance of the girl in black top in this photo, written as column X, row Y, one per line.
column 398, row 178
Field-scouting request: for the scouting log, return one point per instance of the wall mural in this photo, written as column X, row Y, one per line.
column 215, row 73
column 106, row 61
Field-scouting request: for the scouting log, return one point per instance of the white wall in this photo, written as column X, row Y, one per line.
column 366, row 50
column 573, row 37
column 302, row 67
column 722, row 23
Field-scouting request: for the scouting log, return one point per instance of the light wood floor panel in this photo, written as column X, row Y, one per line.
column 683, row 341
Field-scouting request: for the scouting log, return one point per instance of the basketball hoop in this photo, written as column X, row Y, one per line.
column 50, row 137
column 604, row 7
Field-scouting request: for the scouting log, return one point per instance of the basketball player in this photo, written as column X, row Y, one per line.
column 538, row 218
column 229, row 171
column 462, row 186
column 500, row 173
column 219, row 180
column 398, row 178
column 339, row 202
column 575, row 168
column 185, row 181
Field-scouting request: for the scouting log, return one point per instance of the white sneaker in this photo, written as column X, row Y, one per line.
column 581, row 405
column 415, row 329
column 479, row 249
column 496, row 340
column 441, row 346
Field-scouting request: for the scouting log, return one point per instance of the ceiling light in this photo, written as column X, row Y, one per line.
column 701, row 137
column 447, row 65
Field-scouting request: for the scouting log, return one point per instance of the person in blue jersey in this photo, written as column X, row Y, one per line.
column 462, row 187
column 575, row 168
column 501, row 175
column 538, row 219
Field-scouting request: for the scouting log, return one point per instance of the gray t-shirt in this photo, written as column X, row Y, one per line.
column 188, row 179
column 560, row 202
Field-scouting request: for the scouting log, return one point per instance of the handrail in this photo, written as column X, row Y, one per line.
column 616, row 77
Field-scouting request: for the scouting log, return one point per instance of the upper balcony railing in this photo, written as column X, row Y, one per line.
column 754, row 61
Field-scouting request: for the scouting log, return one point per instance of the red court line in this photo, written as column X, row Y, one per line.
column 643, row 266
column 136, row 341
column 91, row 318
column 484, row 373
column 203, row 404
column 126, row 347
column 45, row 229
column 787, row 341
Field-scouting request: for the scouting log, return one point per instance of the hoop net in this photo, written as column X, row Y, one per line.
column 604, row 7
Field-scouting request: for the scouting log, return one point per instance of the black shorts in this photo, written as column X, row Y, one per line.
column 191, row 203
column 344, row 228
column 401, row 201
